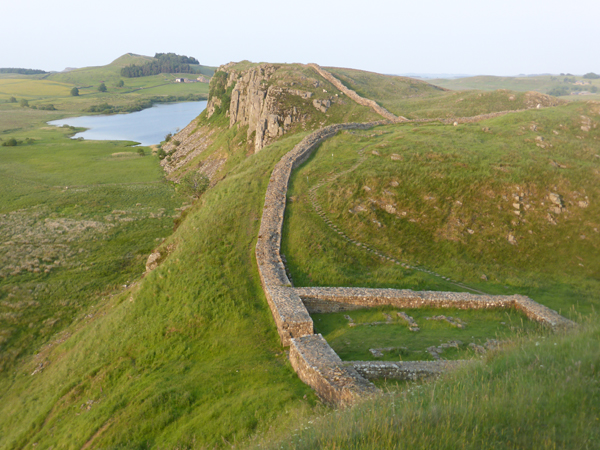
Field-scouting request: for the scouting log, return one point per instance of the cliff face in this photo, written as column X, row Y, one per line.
column 264, row 99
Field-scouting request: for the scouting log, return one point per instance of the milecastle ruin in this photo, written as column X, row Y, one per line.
column 317, row 364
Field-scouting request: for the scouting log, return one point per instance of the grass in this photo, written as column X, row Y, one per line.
column 540, row 393
column 444, row 182
column 373, row 329
column 189, row 357
column 540, row 83
column 197, row 361
column 417, row 99
column 72, row 230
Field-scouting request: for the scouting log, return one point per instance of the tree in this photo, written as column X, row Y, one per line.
column 12, row 142
column 102, row 87
column 195, row 183
column 75, row 92
column 120, row 83
column 12, row 100
column 24, row 103
column 591, row 76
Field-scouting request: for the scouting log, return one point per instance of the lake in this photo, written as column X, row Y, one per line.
column 146, row 127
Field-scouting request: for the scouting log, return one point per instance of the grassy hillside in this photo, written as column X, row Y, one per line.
column 415, row 99
column 472, row 203
column 541, row 394
column 188, row 355
column 197, row 360
column 542, row 83
column 111, row 73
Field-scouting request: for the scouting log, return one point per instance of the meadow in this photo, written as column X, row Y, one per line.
column 77, row 220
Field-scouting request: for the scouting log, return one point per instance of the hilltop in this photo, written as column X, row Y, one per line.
column 111, row 72
column 187, row 355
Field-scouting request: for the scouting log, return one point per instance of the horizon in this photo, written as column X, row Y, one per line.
column 464, row 37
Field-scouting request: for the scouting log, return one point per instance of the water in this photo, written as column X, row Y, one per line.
column 146, row 127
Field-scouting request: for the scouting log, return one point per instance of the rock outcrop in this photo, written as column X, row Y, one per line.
column 259, row 103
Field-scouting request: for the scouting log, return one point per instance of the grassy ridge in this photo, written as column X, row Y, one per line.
column 188, row 358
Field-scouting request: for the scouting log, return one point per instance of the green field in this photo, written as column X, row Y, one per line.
column 55, row 89
column 72, row 230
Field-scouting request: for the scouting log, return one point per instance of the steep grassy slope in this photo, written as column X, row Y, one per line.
column 472, row 202
column 189, row 357
column 542, row 394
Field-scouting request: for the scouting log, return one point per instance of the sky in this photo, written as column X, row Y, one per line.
column 476, row 37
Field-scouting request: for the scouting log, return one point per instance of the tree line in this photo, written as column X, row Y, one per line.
column 22, row 71
column 162, row 63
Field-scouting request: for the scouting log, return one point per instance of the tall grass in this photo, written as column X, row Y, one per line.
column 542, row 394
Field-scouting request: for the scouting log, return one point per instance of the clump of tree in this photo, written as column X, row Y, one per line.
column 162, row 63
column 12, row 100
column 591, row 76
column 24, row 103
column 194, row 183
column 49, row 107
column 75, row 92
column 120, row 84
column 560, row 90
column 22, row 71
column 102, row 87
column 12, row 142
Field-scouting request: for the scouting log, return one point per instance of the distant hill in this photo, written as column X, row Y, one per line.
column 547, row 84
column 111, row 73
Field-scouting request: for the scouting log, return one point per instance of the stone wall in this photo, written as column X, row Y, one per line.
column 357, row 98
column 312, row 358
column 290, row 315
column 320, row 367
column 402, row 370
column 341, row 299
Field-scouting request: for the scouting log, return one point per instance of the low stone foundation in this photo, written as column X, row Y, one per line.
column 321, row 368
column 402, row 370
column 318, row 300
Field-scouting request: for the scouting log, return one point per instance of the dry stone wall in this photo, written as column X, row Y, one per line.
column 402, row 370
column 290, row 314
column 318, row 300
column 320, row 367
column 357, row 98
column 312, row 358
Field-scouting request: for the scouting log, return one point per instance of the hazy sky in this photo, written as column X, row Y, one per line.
column 492, row 37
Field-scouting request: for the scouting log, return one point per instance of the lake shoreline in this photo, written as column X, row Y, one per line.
column 146, row 127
